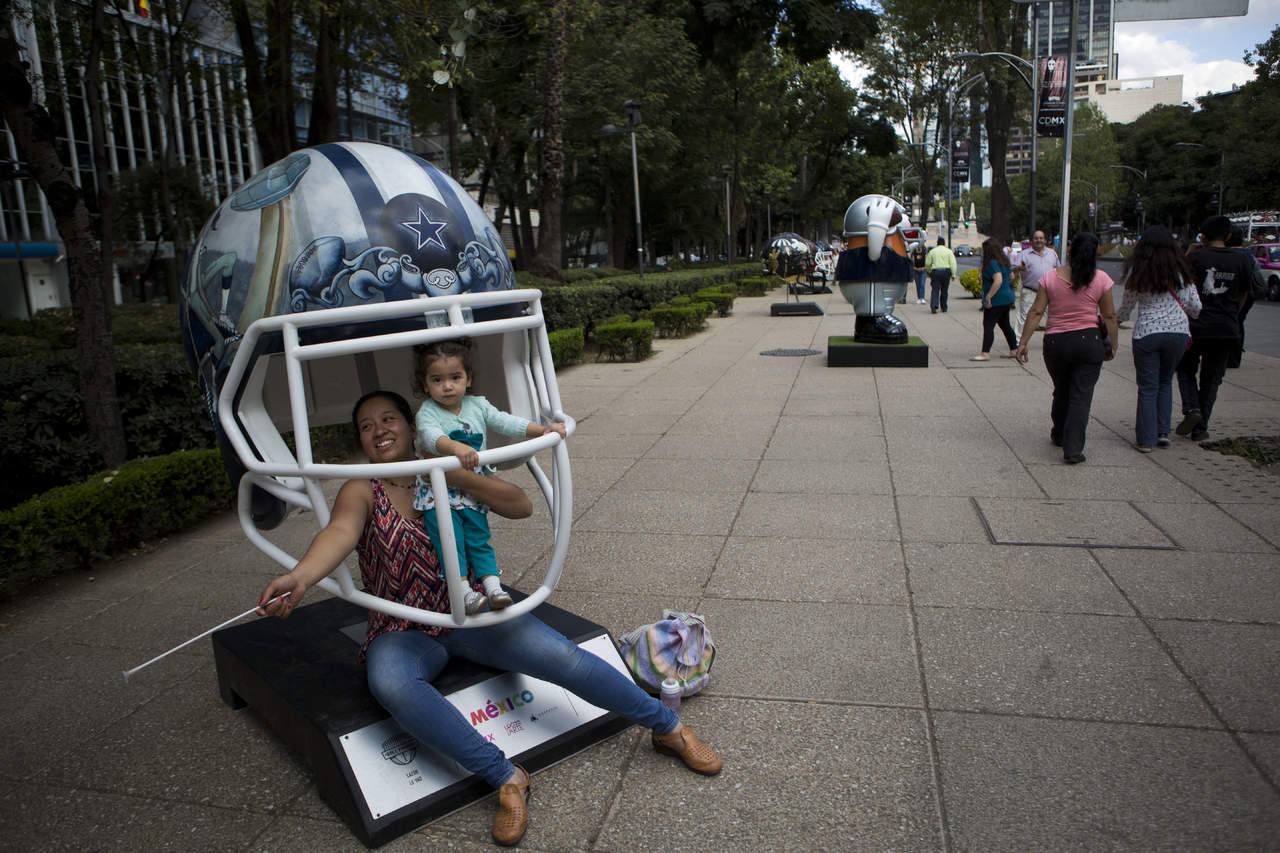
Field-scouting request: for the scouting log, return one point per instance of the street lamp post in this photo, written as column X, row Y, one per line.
column 1222, row 162
column 728, row 218
column 768, row 200
column 1141, row 173
column 634, row 120
column 1010, row 59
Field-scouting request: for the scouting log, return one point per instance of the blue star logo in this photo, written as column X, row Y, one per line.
column 427, row 229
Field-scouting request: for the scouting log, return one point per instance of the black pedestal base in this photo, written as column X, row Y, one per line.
column 795, row 309
column 302, row 677
column 844, row 351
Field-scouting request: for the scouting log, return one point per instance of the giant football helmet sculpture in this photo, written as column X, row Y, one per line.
column 789, row 256
column 310, row 286
column 874, row 268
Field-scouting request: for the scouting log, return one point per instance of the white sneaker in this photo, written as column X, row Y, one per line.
column 499, row 600
column 921, row 302
column 475, row 601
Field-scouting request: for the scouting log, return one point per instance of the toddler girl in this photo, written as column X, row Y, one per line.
column 451, row 422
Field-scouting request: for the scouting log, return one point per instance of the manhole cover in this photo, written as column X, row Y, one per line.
column 792, row 352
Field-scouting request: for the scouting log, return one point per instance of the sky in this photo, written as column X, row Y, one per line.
column 1207, row 52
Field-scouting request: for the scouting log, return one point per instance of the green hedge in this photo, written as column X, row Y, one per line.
column 626, row 341
column 43, row 438
column 722, row 301
column 134, row 323
column 578, row 305
column 70, row 526
column 676, row 321
column 971, row 280
column 566, row 346
column 756, row 285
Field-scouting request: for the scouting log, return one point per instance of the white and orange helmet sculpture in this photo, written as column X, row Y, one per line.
column 874, row 268
column 310, row 286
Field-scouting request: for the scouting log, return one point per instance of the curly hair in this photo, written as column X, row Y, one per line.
column 425, row 354
column 1083, row 259
column 1156, row 264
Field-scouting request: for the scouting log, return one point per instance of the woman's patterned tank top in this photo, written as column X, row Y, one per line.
column 399, row 563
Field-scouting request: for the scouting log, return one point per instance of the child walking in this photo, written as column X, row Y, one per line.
column 451, row 422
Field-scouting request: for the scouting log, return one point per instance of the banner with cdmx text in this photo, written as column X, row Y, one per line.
column 1055, row 95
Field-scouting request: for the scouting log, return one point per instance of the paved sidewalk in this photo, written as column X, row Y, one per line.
column 932, row 634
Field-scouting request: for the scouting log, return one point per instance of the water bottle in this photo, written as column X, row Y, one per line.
column 671, row 694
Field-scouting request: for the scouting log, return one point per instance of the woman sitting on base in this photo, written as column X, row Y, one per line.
column 376, row 518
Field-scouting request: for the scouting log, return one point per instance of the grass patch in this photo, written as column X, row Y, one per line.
column 1261, row 450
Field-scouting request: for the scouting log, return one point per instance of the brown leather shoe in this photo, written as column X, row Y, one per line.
column 685, row 745
column 512, row 818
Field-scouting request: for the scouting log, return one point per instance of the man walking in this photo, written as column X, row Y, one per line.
column 1223, row 276
column 941, row 265
column 1033, row 264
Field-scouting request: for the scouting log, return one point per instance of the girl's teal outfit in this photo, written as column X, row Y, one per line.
column 1001, row 304
column 475, row 417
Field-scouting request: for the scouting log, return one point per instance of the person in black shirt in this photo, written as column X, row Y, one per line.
column 1223, row 276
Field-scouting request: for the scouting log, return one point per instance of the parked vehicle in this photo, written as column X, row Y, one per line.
column 964, row 250
column 1268, row 255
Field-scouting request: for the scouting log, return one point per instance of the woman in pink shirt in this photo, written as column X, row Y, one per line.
column 1075, row 294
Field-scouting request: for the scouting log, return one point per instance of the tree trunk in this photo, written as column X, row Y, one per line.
column 269, row 86
column 455, row 141
column 324, row 86
column 34, row 134
column 1002, row 27
column 547, row 261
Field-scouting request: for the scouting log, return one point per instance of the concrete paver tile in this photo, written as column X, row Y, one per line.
column 706, row 513
column 716, row 444
column 839, row 517
column 633, row 563
column 948, row 475
column 813, row 652
column 187, row 745
column 797, row 776
column 1189, row 585
column 940, row 519
column 1093, row 481
column 1265, row 748
column 1062, row 665
column 40, row 817
column 1096, row 523
column 620, row 613
column 800, row 569
column 1237, row 666
column 687, row 475
column 816, row 479
column 1064, row 580
column 1204, row 527
column 1261, row 518
column 1014, row 784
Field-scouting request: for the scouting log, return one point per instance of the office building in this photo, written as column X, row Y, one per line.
column 212, row 131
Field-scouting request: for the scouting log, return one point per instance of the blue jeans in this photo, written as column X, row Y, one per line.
column 401, row 665
column 1155, row 358
column 919, row 283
